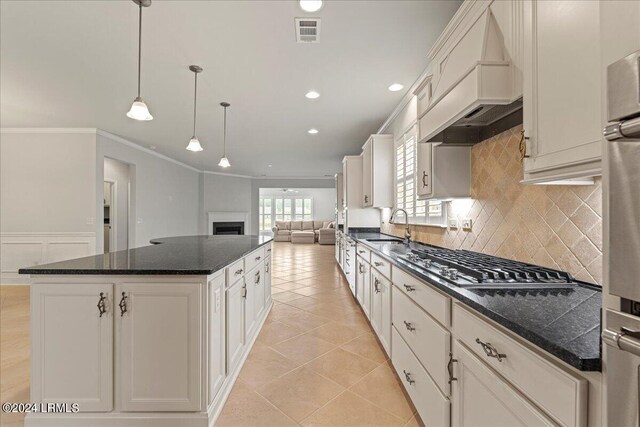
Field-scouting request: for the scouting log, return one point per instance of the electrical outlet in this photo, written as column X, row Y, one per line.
column 453, row 223
column 467, row 224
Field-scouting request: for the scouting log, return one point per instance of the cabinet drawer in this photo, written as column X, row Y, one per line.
column 433, row 302
column 363, row 252
column 432, row 405
column 254, row 258
column 235, row 272
column 430, row 342
column 381, row 264
column 562, row 394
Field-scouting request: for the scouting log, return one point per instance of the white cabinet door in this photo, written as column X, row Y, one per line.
column 249, row 304
column 366, row 280
column 562, row 89
column 159, row 338
column 425, row 166
column 481, row 398
column 72, row 345
column 257, row 279
column 215, row 334
column 360, row 275
column 381, row 309
column 235, row 323
column 267, row 281
column 367, row 170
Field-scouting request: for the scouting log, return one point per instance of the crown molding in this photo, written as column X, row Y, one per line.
column 48, row 130
column 295, row 177
column 236, row 175
column 143, row 149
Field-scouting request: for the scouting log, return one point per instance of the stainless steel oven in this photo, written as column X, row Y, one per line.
column 621, row 338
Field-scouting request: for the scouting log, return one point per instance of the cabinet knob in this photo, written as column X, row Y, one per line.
column 102, row 309
column 123, row 304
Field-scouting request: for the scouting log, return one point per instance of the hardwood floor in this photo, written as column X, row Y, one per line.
column 316, row 361
column 14, row 349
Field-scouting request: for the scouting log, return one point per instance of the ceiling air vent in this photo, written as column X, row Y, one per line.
column 308, row 30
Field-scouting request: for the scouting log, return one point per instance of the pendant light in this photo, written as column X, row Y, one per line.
column 139, row 110
column 224, row 162
column 194, row 144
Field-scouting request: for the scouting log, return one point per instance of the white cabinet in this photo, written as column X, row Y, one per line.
column 257, row 280
column 481, row 398
column 362, row 282
column 381, row 308
column 72, row 345
column 159, row 346
column 444, row 171
column 339, row 198
column 267, row 281
column 235, row 323
column 216, row 334
column 352, row 182
column 562, row 90
column 377, row 172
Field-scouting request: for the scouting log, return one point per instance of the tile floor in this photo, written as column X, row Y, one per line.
column 316, row 361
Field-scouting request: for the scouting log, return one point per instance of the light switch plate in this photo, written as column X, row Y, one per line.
column 467, row 224
column 453, row 223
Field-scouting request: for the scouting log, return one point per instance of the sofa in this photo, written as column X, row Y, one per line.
column 323, row 232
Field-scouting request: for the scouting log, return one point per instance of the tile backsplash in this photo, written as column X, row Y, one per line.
column 557, row 226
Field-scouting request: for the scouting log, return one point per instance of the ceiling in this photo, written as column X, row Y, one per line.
column 73, row 64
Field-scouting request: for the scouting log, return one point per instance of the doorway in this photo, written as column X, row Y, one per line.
column 117, row 189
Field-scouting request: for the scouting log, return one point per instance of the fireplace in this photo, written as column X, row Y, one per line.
column 228, row 228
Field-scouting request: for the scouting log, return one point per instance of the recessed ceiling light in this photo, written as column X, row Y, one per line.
column 311, row 5
column 312, row 131
column 312, row 94
column 396, row 87
column 270, row 166
column 153, row 147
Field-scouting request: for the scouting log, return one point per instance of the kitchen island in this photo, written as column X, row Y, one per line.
column 152, row 336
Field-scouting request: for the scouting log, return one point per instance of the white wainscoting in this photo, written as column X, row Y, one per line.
column 19, row 250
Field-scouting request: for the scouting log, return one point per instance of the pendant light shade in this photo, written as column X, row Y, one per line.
column 139, row 110
column 224, row 162
column 194, row 144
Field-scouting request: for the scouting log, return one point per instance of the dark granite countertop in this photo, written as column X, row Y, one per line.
column 565, row 323
column 184, row 255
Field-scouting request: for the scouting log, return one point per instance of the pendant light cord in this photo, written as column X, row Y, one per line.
column 139, row 47
column 224, row 134
column 195, row 99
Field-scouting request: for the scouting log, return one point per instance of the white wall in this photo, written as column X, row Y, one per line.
column 117, row 172
column 324, row 199
column 47, row 181
column 165, row 199
column 221, row 193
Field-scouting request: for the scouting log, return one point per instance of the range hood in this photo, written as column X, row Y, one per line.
column 476, row 94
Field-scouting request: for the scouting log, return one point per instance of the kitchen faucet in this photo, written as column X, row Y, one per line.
column 407, row 233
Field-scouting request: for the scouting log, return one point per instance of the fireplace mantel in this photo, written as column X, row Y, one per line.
column 227, row 217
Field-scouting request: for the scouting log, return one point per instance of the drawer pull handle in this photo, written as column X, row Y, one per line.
column 102, row 309
column 407, row 376
column 123, row 304
column 361, row 252
column 375, row 285
column 409, row 326
column 450, row 368
column 257, row 278
column 409, row 288
column 361, row 268
column 243, row 294
column 258, row 258
column 239, row 271
column 377, row 263
column 491, row 351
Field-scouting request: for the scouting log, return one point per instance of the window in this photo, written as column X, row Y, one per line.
column 283, row 208
column 419, row 211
